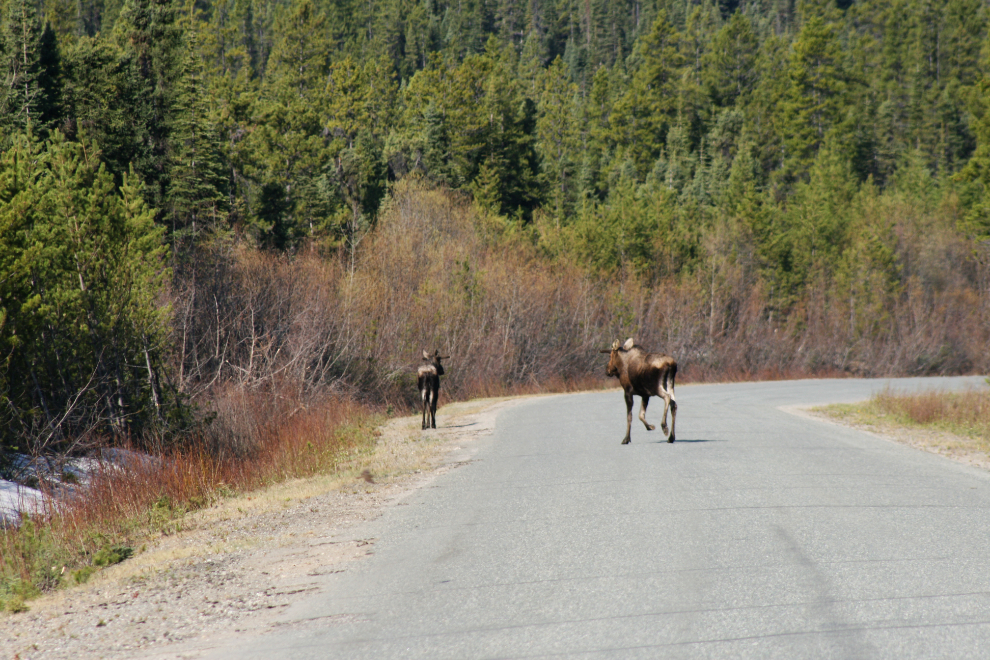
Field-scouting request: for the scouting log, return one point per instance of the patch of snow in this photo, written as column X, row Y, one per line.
column 126, row 458
column 61, row 477
column 15, row 499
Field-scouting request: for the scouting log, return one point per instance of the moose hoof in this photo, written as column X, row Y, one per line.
column 671, row 438
column 650, row 427
column 625, row 441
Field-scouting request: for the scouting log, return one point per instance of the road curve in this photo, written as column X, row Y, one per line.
column 758, row 534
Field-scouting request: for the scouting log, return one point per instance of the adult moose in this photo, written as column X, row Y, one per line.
column 644, row 374
column 429, row 385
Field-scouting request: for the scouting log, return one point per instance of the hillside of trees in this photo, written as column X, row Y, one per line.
column 202, row 201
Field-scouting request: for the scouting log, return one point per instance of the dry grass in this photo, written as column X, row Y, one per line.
column 953, row 424
column 966, row 413
column 961, row 413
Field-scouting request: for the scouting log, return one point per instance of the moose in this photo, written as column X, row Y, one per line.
column 429, row 385
column 643, row 374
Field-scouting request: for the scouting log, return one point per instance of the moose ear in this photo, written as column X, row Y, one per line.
column 629, row 343
column 615, row 345
column 426, row 356
column 604, row 351
column 442, row 357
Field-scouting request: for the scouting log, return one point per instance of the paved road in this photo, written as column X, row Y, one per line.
column 758, row 534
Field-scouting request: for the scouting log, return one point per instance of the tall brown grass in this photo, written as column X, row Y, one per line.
column 964, row 413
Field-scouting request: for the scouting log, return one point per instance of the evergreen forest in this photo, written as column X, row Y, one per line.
column 209, row 203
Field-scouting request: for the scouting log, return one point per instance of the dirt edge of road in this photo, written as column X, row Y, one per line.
column 238, row 563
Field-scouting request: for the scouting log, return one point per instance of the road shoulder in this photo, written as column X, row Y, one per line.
column 236, row 565
column 954, row 447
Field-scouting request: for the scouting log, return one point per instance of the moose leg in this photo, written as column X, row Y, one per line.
column 669, row 402
column 665, row 392
column 673, row 417
column 433, row 406
column 629, row 407
column 425, row 395
column 642, row 413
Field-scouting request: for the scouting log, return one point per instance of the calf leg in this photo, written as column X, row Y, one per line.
column 433, row 407
column 425, row 395
column 642, row 414
column 667, row 392
column 629, row 407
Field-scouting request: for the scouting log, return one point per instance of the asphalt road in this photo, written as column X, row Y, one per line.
column 758, row 534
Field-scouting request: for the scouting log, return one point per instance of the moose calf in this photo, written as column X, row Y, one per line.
column 429, row 385
column 644, row 374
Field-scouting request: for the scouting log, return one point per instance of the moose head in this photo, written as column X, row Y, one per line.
column 435, row 360
column 615, row 356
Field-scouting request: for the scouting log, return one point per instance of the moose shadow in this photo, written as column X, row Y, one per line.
column 689, row 441
column 460, row 426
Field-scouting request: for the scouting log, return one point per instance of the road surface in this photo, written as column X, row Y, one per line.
column 758, row 534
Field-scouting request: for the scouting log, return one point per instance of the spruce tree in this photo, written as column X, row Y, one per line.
column 21, row 92
column 150, row 30
column 816, row 96
column 646, row 111
column 558, row 137
column 729, row 70
column 196, row 193
column 83, row 269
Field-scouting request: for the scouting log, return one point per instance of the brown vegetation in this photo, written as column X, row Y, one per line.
column 436, row 271
column 963, row 413
column 127, row 500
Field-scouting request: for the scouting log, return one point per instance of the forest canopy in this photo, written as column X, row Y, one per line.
column 808, row 181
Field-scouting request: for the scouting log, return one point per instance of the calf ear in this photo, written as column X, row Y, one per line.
column 629, row 343
column 426, row 356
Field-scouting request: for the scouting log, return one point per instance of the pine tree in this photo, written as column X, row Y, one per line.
column 102, row 94
column 83, row 267
column 646, row 111
column 976, row 173
column 558, row 137
column 150, row 30
column 729, row 72
column 485, row 121
column 288, row 152
column 816, row 97
column 196, row 199
column 21, row 93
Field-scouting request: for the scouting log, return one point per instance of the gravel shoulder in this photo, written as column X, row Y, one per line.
column 235, row 565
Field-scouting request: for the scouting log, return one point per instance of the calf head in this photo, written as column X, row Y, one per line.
column 435, row 360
